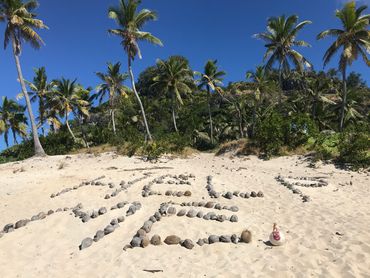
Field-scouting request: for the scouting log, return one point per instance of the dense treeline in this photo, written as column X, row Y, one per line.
column 281, row 106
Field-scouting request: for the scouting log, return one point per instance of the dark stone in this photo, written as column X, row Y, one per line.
column 218, row 206
column 191, row 213
column 171, row 211
column 156, row 240
column 85, row 218
column 141, row 233
column 253, row 194
column 102, row 211
column 181, row 212
column 234, row 218
column 234, row 239
column 145, row 242
column 87, row 242
column 260, row 194
column 109, row 229
column 188, row 244
column 168, row 193
column 226, row 239
column 41, row 215
column 172, row 240
column 135, row 242
column 114, row 222
column 246, row 196
column 99, row 235
column 107, row 197
column 94, row 214
column 234, row 209
column 229, row 195
column 121, row 205
column 121, row 219
column 200, row 214
column 210, row 205
column 187, row 193
column 50, row 212
column 221, row 218
column 35, row 217
column 21, row 223
column 213, row 239
column 200, row 242
column 157, row 216
column 147, row 226
column 236, row 193
column 8, row 228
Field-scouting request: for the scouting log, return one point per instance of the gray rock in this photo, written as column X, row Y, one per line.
column 141, row 233
column 260, row 194
column 50, row 212
column 207, row 217
column 236, row 193
column 188, row 244
column 172, row 240
column 131, row 210
column 253, row 194
column 99, row 235
column 213, row 239
column 107, row 197
column 87, row 242
column 181, row 212
column 306, row 198
column 200, row 242
column 121, row 205
column 191, row 213
column 109, row 229
column 242, row 195
column 200, row 214
column 114, row 222
column 157, row 216
column 234, row 209
column 221, row 218
column 180, row 194
column 147, row 226
column 234, row 218
column 218, row 206
column 156, row 240
column 121, row 219
column 85, row 218
column 234, row 239
column 210, row 205
column 102, row 211
column 35, row 217
column 21, row 223
column 41, row 215
column 226, row 239
column 168, row 193
column 153, row 219
column 229, row 195
column 8, row 228
column 114, row 207
column 205, row 240
column 187, row 193
column 145, row 242
column 135, row 242
column 246, row 195
column 94, row 214
column 171, row 211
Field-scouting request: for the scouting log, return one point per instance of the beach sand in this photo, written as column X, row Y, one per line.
column 326, row 237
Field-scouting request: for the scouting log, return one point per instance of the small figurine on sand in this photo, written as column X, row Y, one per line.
column 277, row 238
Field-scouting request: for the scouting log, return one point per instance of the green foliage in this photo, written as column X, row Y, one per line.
column 270, row 134
column 326, row 145
column 298, row 129
column 354, row 147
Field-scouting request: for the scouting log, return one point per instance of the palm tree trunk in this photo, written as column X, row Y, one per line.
column 69, row 128
column 138, row 99
column 174, row 114
column 39, row 151
column 113, row 121
column 344, row 100
column 81, row 122
column 210, row 114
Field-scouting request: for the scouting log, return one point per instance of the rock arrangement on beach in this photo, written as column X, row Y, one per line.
column 141, row 238
column 111, row 227
column 76, row 187
column 229, row 195
column 172, row 179
column 210, row 205
column 88, row 215
column 125, row 187
column 8, row 228
column 303, row 182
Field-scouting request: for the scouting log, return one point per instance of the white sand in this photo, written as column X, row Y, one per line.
column 49, row 247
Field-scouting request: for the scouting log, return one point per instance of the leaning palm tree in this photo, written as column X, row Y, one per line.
column 113, row 86
column 12, row 119
column 130, row 22
column 67, row 99
column 174, row 78
column 20, row 24
column 354, row 40
column 211, row 79
column 280, row 39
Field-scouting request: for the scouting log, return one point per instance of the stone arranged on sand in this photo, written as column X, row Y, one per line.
column 21, row 223
column 145, row 242
column 226, row 239
column 87, row 242
column 156, row 240
column 136, row 242
column 188, row 244
column 213, row 239
column 172, row 240
column 99, row 235
column 147, row 226
column 109, row 229
column 102, row 211
column 8, row 228
column 191, row 213
column 234, row 218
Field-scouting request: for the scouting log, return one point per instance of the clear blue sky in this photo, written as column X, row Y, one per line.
column 77, row 44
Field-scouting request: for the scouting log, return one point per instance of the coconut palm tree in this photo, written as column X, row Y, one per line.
column 113, row 86
column 353, row 41
column 211, row 80
column 12, row 119
column 21, row 23
column 40, row 88
column 280, row 39
column 67, row 99
column 175, row 78
column 130, row 22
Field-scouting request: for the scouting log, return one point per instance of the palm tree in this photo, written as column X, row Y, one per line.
column 20, row 24
column 12, row 118
column 211, row 79
column 67, row 99
column 280, row 39
column 40, row 88
column 354, row 40
column 174, row 78
column 113, row 85
column 130, row 22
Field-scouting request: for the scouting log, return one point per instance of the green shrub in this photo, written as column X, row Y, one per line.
column 298, row 130
column 326, row 145
column 354, row 147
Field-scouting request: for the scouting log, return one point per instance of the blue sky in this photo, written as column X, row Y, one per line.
column 78, row 45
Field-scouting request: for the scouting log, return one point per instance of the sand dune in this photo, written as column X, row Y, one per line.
column 328, row 236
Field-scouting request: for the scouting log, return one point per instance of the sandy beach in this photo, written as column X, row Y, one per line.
column 328, row 236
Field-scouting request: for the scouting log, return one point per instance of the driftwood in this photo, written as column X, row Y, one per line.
column 146, row 169
column 153, row 270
